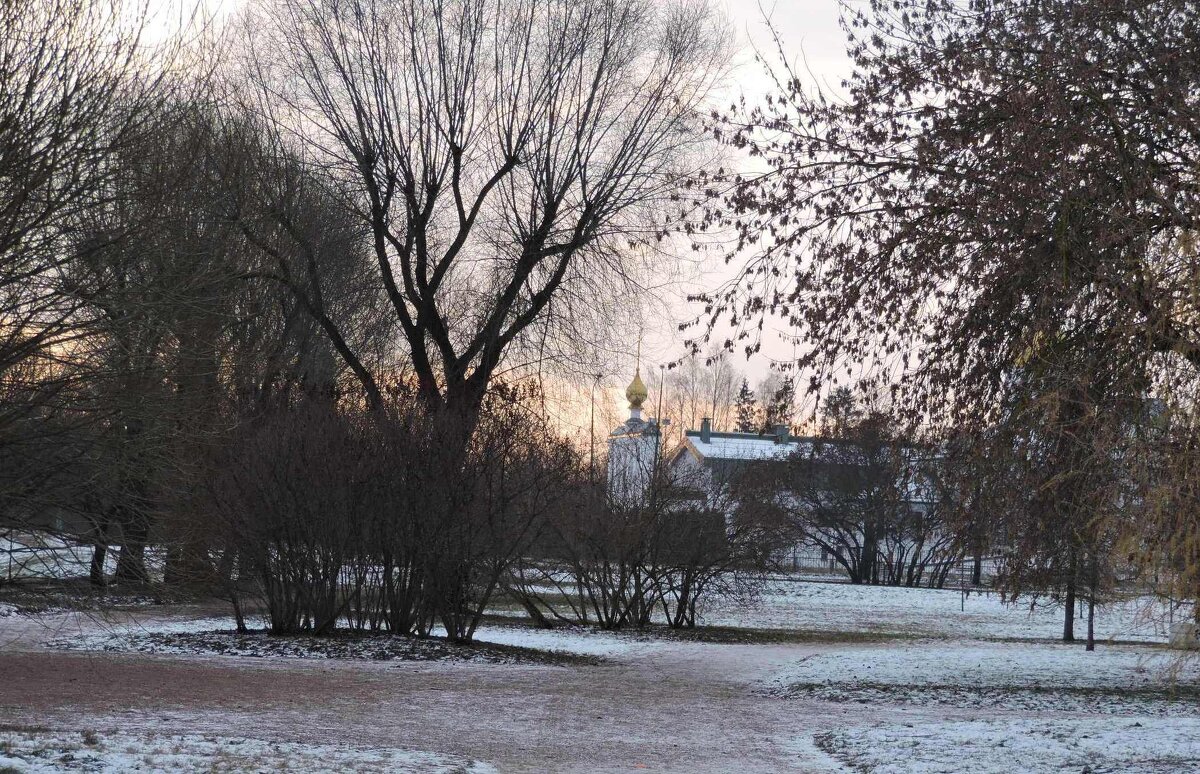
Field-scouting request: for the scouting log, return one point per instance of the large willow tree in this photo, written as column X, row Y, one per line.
column 502, row 157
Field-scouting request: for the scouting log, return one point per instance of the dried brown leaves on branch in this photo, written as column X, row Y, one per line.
column 996, row 214
column 995, row 176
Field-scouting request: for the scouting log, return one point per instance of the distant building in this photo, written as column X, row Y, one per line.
column 718, row 458
column 703, row 471
column 633, row 450
column 713, row 460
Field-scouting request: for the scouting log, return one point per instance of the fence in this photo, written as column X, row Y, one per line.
column 31, row 555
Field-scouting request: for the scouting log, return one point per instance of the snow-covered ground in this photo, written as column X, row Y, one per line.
column 803, row 603
column 38, row 555
column 1004, row 745
column 32, row 751
column 932, row 612
column 814, row 677
column 968, row 664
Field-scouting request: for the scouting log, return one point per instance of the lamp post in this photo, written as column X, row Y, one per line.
column 592, row 464
column 662, row 387
column 658, row 427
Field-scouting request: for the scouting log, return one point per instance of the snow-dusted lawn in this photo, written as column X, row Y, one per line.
column 1005, row 676
column 1003, row 745
column 932, row 612
column 24, row 556
column 994, row 664
column 814, row 677
column 36, row 751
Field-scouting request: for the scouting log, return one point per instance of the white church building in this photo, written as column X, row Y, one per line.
column 699, row 472
column 706, row 461
column 633, row 450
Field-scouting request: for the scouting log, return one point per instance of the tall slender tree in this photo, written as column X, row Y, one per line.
column 746, row 409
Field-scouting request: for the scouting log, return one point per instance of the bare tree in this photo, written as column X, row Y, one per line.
column 627, row 559
column 336, row 520
column 699, row 388
column 1065, row 482
column 77, row 81
column 999, row 179
column 72, row 83
column 986, row 186
column 864, row 494
column 187, row 335
column 499, row 155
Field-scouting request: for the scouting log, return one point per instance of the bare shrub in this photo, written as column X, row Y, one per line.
column 376, row 520
column 619, row 561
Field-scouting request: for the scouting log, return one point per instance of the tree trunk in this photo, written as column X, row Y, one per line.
column 1069, row 613
column 238, row 617
column 535, row 614
column 131, row 562
column 1091, row 629
column 1070, row 600
column 188, row 564
column 583, row 608
column 96, row 573
column 1093, row 582
column 100, row 552
column 866, row 562
column 977, row 569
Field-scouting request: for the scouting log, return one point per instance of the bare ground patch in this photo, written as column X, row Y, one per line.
column 1180, row 701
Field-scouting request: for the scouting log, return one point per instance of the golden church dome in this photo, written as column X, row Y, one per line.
column 636, row 392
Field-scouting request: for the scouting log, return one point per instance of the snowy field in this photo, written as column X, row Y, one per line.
column 929, row 612
column 114, row 754
column 27, row 556
column 813, row 677
column 43, row 556
column 1002, row 745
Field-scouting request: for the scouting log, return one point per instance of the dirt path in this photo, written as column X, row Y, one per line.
column 679, row 709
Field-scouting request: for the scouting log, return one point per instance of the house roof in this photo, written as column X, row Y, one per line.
column 727, row 453
column 741, row 446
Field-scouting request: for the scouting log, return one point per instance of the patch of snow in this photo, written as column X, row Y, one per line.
column 37, row 555
column 1113, row 680
column 579, row 641
column 927, row 612
column 972, row 664
column 114, row 753
column 1002, row 745
column 744, row 448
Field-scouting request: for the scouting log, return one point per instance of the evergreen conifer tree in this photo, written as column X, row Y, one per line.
column 746, row 409
column 779, row 408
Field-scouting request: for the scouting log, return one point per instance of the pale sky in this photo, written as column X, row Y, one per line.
column 815, row 44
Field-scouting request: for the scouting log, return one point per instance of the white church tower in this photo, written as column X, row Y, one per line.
column 632, row 450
